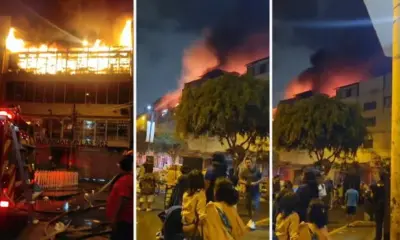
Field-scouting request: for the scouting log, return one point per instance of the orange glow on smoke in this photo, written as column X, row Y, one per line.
column 201, row 58
column 330, row 79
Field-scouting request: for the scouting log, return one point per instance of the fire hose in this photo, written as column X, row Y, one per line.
column 91, row 206
column 64, row 230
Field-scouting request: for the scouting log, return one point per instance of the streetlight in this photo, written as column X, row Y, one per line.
column 150, row 126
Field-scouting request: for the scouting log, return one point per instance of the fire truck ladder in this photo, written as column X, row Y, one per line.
column 17, row 147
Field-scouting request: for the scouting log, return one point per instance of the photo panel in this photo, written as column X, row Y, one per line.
column 333, row 138
column 203, row 121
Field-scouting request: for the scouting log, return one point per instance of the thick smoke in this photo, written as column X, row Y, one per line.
column 343, row 31
column 196, row 36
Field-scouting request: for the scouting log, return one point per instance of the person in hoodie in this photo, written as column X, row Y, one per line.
column 306, row 192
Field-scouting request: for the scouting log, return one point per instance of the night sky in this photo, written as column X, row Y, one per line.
column 302, row 27
column 166, row 28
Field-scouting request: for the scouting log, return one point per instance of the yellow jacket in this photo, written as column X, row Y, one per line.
column 287, row 228
column 215, row 229
column 193, row 204
column 306, row 230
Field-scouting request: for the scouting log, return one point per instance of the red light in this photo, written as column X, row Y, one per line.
column 4, row 204
column 6, row 114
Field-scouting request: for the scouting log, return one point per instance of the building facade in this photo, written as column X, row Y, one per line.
column 259, row 68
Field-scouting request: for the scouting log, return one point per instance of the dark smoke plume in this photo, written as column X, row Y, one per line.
column 166, row 29
column 341, row 29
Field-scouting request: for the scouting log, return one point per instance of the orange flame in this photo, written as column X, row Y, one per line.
column 44, row 59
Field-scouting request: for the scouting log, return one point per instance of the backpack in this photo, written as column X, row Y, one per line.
column 148, row 185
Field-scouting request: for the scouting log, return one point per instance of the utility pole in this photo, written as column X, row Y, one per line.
column 395, row 148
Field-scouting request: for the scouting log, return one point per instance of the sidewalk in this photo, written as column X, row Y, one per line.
column 361, row 231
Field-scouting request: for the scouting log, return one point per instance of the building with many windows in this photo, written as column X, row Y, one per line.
column 77, row 98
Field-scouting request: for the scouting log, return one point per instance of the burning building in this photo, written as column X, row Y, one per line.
column 77, row 97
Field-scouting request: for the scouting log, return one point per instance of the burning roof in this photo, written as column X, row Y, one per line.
column 95, row 57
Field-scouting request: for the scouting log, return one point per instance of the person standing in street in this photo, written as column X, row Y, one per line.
column 219, row 169
column 147, row 185
column 251, row 177
column 120, row 202
column 379, row 201
column 351, row 199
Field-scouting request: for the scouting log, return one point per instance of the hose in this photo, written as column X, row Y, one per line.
column 65, row 214
column 91, row 206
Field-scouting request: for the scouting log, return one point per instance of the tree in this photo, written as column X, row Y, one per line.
column 169, row 144
column 233, row 108
column 325, row 127
column 141, row 144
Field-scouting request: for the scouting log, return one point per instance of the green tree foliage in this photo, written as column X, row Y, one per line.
column 325, row 127
column 226, row 107
column 169, row 144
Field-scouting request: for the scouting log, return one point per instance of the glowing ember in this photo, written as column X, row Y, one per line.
column 97, row 58
column 201, row 58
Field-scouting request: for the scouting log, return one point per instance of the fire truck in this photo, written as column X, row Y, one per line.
column 16, row 146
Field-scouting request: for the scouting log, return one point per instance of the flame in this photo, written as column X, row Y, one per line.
column 13, row 44
column 126, row 35
column 201, row 58
column 97, row 57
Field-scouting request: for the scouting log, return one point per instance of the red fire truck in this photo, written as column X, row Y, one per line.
column 16, row 144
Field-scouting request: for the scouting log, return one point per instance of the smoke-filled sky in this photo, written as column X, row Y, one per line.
column 47, row 20
column 341, row 28
column 177, row 40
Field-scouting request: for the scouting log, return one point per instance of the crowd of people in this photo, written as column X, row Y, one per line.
column 204, row 206
column 302, row 212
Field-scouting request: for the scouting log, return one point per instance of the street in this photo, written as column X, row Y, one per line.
column 338, row 229
column 148, row 223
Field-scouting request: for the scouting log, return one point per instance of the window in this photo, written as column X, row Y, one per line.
column 122, row 129
column 387, row 102
column 56, row 129
column 88, row 131
column 124, row 92
column 90, row 94
column 80, row 93
column 102, row 93
column 113, row 93
column 347, row 92
column 368, row 143
column 49, row 93
column 100, row 131
column 30, row 92
column 67, row 129
column 19, row 91
column 39, row 92
column 369, row 106
column 59, row 92
column 370, row 122
column 112, row 127
column 10, row 91
column 69, row 93
column 263, row 68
